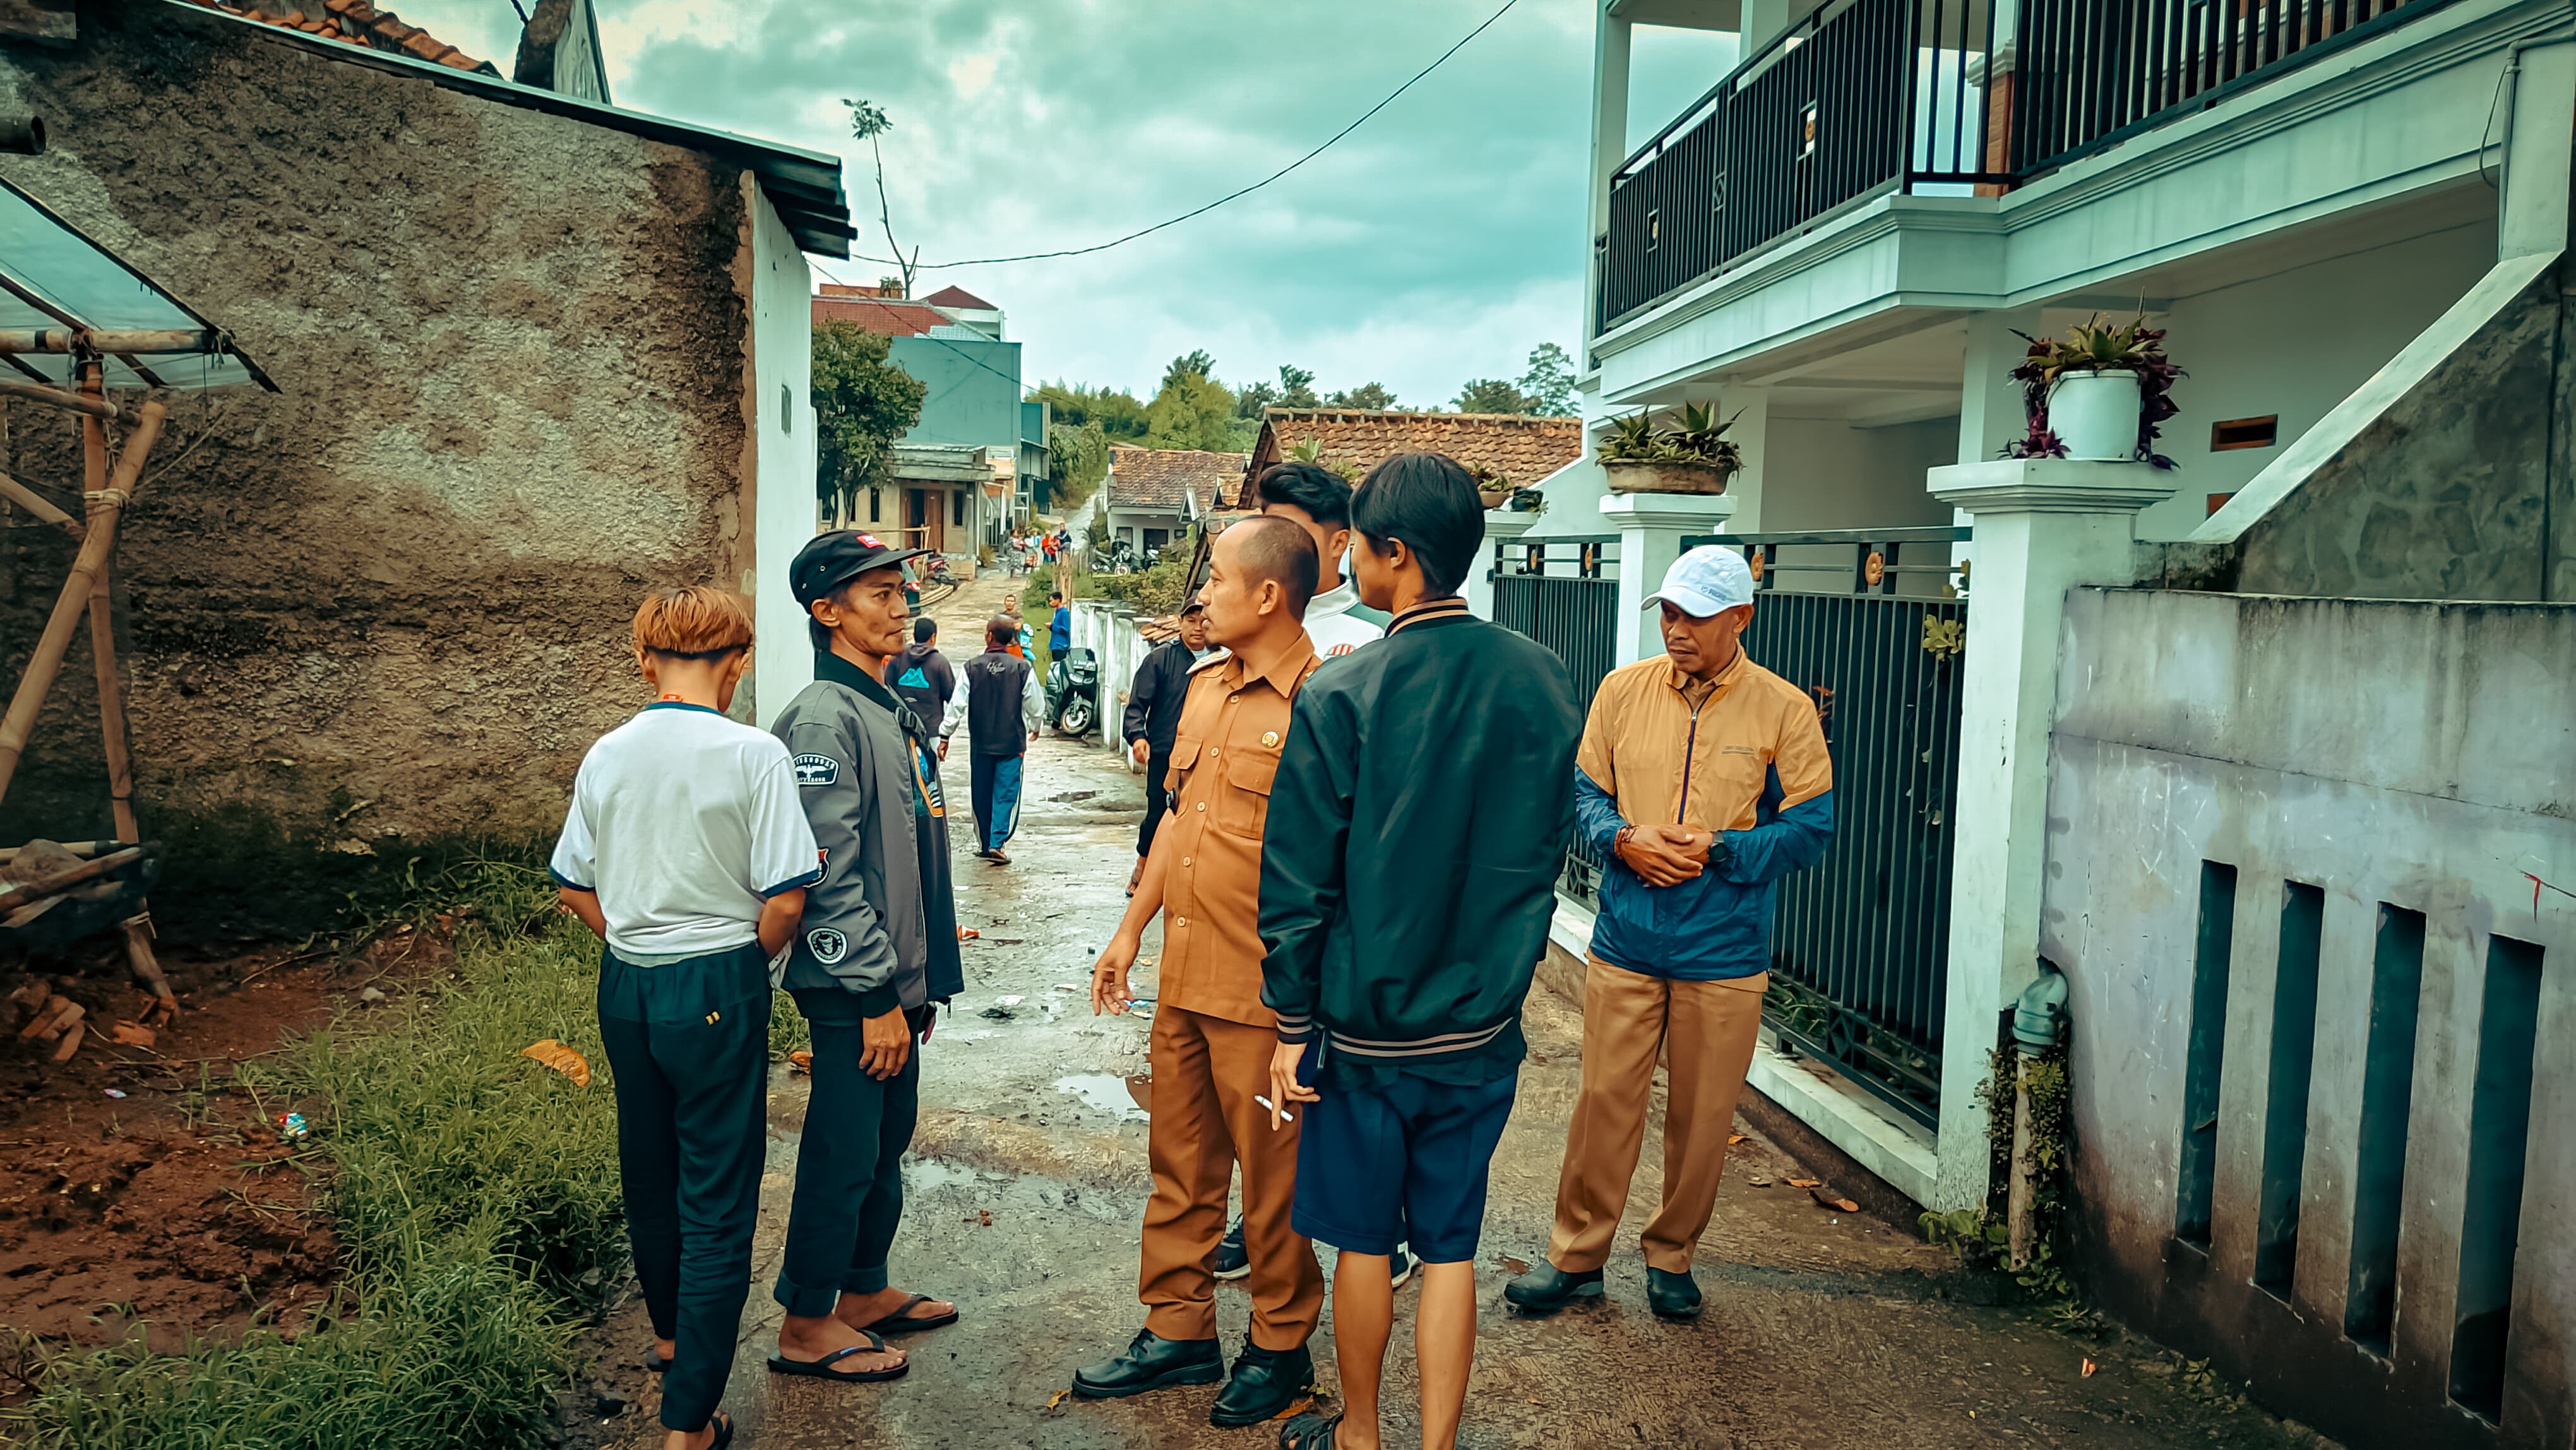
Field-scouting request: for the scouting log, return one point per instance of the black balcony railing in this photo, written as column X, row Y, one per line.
column 1861, row 97
column 1858, row 96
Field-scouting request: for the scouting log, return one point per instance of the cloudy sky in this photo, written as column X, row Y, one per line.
column 1441, row 241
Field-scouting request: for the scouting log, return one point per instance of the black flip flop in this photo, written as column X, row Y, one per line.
column 1312, row 1430
column 724, row 1430
column 821, row 1369
column 654, row 1364
column 897, row 1323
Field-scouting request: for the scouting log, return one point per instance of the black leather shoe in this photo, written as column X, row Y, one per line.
column 1264, row 1382
column 1151, row 1363
column 1672, row 1296
column 1547, row 1288
column 1232, row 1261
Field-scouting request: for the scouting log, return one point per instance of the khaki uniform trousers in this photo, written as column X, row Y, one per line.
column 1705, row 1031
column 1206, row 1071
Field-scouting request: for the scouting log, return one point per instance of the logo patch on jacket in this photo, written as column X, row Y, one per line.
column 817, row 770
column 827, row 945
column 914, row 679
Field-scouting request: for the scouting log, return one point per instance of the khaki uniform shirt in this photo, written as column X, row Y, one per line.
column 1224, row 754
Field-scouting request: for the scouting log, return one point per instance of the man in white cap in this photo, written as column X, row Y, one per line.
column 1702, row 780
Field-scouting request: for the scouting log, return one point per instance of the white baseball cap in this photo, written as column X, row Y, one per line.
column 1705, row 581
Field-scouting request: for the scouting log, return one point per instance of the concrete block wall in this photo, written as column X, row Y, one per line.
column 2273, row 793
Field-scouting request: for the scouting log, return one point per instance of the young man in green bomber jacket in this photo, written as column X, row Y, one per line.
column 1407, row 877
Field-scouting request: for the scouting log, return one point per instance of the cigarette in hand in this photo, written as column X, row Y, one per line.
column 1285, row 1116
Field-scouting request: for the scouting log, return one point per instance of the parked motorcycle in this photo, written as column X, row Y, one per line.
column 1073, row 691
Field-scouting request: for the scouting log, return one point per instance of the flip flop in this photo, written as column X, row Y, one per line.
column 900, row 1322
column 724, row 1430
column 654, row 1363
column 1312, row 1430
column 821, row 1369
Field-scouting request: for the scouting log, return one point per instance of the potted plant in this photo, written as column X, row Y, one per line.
column 2099, row 392
column 1692, row 456
column 1493, row 486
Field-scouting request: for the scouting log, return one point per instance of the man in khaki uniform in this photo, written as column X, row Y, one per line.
column 1212, row 1038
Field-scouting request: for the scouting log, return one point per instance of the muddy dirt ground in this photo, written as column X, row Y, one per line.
column 1028, row 1179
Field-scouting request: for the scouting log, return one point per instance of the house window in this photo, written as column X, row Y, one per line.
column 1157, row 538
column 876, row 506
column 957, row 508
column 2231, row 433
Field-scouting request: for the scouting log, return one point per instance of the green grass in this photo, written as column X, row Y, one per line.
column 475, row 1194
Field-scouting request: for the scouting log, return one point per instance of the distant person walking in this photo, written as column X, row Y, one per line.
column 1407, row 880
column 1059, row 626
column 1703, row 779
column 1001, row 707
column 1154, row 716
column 920, row 676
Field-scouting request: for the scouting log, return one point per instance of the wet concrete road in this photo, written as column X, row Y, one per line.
column 1028, row 1181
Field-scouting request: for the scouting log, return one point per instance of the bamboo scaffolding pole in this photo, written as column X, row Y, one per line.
column 65, row 879
column 97, row 545
column 63, row 339
column 57, row 398
column 37, row 504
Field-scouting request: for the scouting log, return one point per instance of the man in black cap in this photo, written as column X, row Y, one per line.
column 877, row 947
column 1154, row 716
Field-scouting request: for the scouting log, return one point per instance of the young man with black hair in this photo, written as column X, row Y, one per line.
column 1154, row 713
column 877, row 949
column 1212, row 1038
column 921, row 676
column 1416, row 826
column 1318, row 500
column 1001, row 706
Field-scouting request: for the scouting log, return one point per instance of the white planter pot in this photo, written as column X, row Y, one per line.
column 2095, row 414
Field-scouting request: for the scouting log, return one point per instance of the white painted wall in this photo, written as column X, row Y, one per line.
column 1824, row 474
column 780, row 402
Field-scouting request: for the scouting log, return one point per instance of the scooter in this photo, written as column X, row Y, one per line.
column 1073, row 691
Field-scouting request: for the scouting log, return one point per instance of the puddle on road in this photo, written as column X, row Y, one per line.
column 1129, row 1098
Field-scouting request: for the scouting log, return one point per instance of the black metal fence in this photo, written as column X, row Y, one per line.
column 1564, row 593
column 2094, row 72
column 1860, row 943
column 1857, row 96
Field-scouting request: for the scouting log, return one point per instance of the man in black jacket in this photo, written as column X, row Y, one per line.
column 920, row 676
column 1416, row 826
column 1153, row 713
column 1001, row 706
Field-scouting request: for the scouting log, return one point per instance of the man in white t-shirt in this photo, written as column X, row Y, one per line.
column 1318, row 500
column 688, row 853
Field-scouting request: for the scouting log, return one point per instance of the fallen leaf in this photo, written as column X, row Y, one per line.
column 984, row 1217
column 2089, row 1367
column 1804, row 1182
column 1734, row 1138
column 1831, row 1199
column 561, row 1058
column 1516, row 1265
column 800, row 1062
column 1058, row 1398
column 133, row 1034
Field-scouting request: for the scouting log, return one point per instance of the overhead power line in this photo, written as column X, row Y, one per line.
column 1231, row 195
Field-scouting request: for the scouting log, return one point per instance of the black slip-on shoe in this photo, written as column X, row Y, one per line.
column 1232, row 1261
column 1264, row 1383
column 1547, row 1288
column 1151, row 1363
column 1672, row 1296
column 1399, row 1267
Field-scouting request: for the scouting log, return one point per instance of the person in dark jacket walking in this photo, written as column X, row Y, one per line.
column 877, row 947
column 1416, row 826
column 1154, row 713
column 921, row 676
column 1002, row 707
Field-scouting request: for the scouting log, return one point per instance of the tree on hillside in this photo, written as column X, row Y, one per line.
column 1297, row 388
column 1117, row 411
column 1079, row 455
column 1548, row 386
column 1371, row 396
column 1491, row 395
column 1193, row 411
column 1194, row 362
column 862, row 404
column 1251, row 399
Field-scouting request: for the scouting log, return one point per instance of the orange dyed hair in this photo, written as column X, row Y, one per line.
column 694, row 622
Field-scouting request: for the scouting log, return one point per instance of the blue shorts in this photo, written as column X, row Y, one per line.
column 1401, row 1161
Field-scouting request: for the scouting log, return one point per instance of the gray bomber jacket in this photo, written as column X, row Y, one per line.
column 866, row 929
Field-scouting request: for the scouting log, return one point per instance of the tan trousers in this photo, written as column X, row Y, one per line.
column 1206, row 1071
column 1705, row 1030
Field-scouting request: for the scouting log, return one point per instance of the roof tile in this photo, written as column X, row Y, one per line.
column 359, row 23
column 1153, row 479
column 891, row 316
column 1521, row 448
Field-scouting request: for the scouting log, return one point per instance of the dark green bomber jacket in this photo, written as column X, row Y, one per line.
column 1417, row 824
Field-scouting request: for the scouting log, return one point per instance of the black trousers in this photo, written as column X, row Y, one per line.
column 1158, row 801
column 849, row 1165
column 691, row 1134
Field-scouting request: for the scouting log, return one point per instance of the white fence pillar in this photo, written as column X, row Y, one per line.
column 2043, row 526
column 1500, row 525
column 1651, row 529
